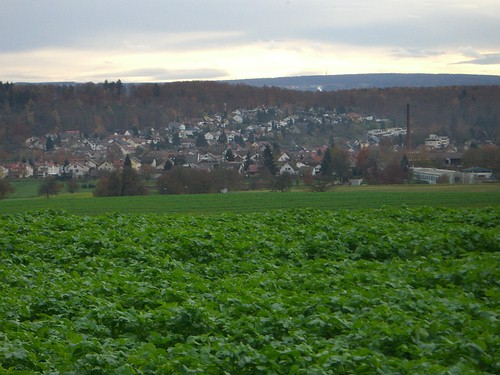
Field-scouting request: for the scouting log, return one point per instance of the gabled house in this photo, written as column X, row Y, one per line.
column 19, row 170
column 136, row 163
column 46, row 169
column 252, row 170
column 91, row 164
column 284, row 157
column 3, row 171
column 211, row 136
column 76, row 169
column 288, row 168
column 106, row 166
column 208, row 158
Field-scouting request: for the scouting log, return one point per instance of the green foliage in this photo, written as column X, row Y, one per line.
column 386, row 291
column 355, row 198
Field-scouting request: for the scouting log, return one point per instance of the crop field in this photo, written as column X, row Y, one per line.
column 243, row 202
column 393, row 290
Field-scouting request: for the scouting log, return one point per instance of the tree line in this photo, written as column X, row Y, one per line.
column 96, row 109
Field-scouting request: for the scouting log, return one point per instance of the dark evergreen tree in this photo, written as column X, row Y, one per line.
column 222, row 138
column 229, row 155
column 49, row 144
column 168, row 165
column 127, row 163
column 201, row 140
column 326, row 164
column 239, row 140
column 176, row 140
column 268, row 160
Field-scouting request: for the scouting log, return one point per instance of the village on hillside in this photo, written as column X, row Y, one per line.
column 377, row 149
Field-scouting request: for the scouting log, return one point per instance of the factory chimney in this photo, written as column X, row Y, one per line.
column 408, row 128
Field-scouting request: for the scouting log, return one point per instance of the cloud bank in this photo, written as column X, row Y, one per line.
column 187, row 39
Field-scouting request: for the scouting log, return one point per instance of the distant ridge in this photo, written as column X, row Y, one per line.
column 362, row 81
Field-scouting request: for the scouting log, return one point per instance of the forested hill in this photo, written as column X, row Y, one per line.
column 463, row 112
column 362, row 81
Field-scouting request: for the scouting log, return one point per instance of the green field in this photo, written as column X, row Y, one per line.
column 361, row 197
column 299, row 291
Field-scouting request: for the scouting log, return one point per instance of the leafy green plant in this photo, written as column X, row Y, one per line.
column 392, row 290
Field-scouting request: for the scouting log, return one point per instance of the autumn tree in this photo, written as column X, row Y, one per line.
column 72, row 186
column 131, row 183
column 393, row 173
column 147, row 171
column 5, row 189
column 50, row 187
column 485, row 157
column 336, row 161
column 226, row 178
column 367, row 165
column 181, row 180
column 125, row 182
column 283, row 182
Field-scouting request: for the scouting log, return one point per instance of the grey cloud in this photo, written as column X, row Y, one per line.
column 161, row 74
column 483, row 59
column 415, row 53
column 33, row 24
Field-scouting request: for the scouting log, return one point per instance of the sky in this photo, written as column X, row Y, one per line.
column 177, row 40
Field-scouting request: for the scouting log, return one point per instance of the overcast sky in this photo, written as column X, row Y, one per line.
column 170, row 40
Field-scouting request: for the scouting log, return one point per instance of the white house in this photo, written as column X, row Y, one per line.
column 284, row 157
column 76, row 169
column 46, row 169
column 3, row 171
column 436, row 141
column 106, row 166
column 209, row 136
column 287, row 168
column 208, row 158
